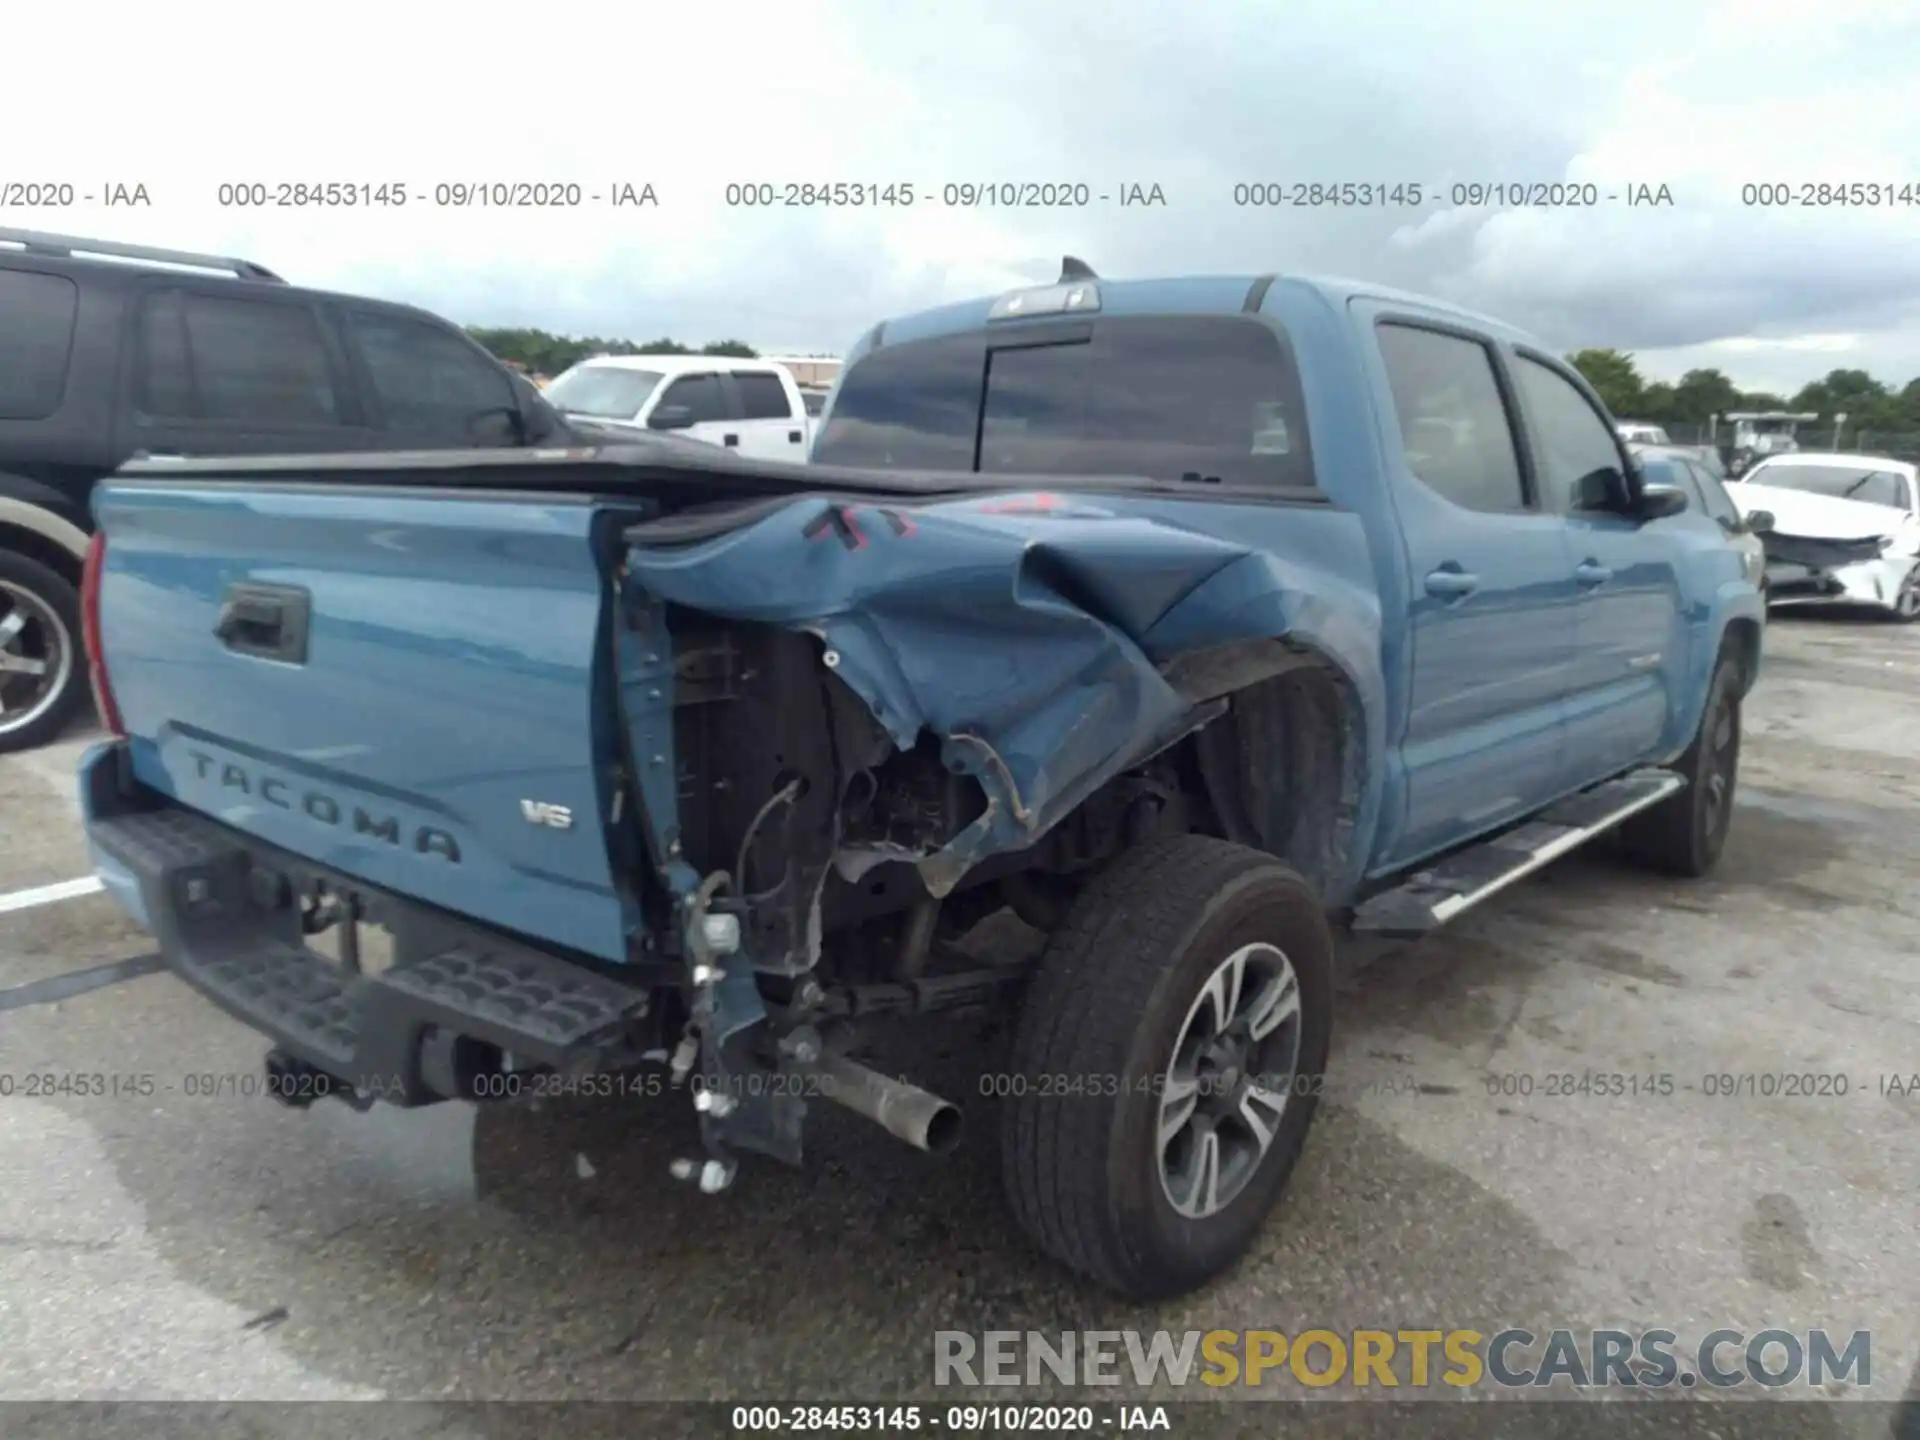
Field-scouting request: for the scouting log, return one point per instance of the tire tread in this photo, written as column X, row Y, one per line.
column 1664, row 837
column 1095, row 981
column 56, row 589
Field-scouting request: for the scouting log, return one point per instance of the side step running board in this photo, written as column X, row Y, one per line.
column 1427, row 900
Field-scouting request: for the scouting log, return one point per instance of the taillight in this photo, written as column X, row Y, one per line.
column 90, row 633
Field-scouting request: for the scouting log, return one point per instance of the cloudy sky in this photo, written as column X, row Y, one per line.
column 1195, row 96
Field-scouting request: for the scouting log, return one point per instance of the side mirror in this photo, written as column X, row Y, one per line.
column 1602, row 489
column 498, row 425
column 1760, row 522
column 670, row 417
column 539, row 421
column 1657, row 502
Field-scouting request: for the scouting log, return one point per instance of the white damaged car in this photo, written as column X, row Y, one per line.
column 1842, row 528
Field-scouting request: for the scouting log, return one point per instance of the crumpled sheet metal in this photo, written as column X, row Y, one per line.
column 1026, row 630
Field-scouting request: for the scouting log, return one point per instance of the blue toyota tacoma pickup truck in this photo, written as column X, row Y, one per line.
column 1191, row 619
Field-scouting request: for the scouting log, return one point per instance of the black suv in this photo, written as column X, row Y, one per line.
column 109, row 350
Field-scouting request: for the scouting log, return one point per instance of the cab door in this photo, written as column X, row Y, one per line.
column 1493, row 604
column 770, row 427
column 426, row 385
column 705, row 400
column 1631, row 640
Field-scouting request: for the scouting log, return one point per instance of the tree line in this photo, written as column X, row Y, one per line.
column 545, row 354
column 1868, row 404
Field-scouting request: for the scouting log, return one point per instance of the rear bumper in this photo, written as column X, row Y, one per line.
column 225, row 910
column 103, row 780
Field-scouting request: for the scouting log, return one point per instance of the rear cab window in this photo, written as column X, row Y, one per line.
column 1201, row 398
column 912, row 406
column 762, row 396
column 223, row 359
column 37, row 314
column 1454, row 429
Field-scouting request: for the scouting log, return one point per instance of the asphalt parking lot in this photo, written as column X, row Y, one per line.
column 184, row 1246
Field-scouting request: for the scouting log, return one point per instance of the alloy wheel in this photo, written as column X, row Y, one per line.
column 36, row 656
column 1722, row 759
column 1907, row 603
column 1229, row 1080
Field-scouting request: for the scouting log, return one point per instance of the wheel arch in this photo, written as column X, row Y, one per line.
column 32, row 523
column 1741, row 641
column 1284, row 768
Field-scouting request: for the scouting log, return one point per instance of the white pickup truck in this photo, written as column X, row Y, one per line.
column 752, row 407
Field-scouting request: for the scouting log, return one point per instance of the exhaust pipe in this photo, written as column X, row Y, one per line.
column 903, row 1110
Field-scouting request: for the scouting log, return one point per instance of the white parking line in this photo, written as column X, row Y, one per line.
column 47, row 894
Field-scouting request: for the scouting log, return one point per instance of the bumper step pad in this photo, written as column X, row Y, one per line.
column 203, row 887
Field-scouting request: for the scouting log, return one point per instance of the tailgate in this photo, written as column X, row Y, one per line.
column 412, row 688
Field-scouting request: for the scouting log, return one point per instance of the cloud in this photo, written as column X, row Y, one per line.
column 1193, row 98
column 1747, row 104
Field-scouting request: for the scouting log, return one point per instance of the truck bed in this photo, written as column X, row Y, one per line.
column 549, row 693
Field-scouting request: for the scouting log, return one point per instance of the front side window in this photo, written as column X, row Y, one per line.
column 1709, row 461
column 36, row 341
column 1677, row 474
column 1715, row 500
column 701, row 396
column 1578, row 457
column 1453, row 422
column 427, row 380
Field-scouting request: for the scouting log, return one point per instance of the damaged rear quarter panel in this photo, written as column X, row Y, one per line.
column 1028, row 631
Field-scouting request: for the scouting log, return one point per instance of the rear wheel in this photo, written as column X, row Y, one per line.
column 43, row 677
column 1685, row 833
column 1166, row 1064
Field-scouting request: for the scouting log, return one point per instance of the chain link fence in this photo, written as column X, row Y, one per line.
column 1683, row 433
column 1900, row 445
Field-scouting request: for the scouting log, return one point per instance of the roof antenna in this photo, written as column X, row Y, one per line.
column 1075, row 269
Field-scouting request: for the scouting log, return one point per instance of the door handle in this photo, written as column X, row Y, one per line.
column 1452, row 584
column 267, row 621
column 729, row 439
column 794, row 436
column 1592, row 573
